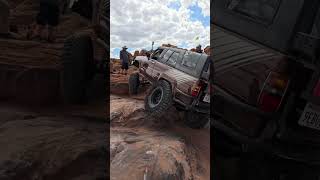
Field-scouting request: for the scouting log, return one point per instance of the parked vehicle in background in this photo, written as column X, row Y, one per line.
column 178, row 77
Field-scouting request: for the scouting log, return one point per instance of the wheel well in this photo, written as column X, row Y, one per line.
column 163, row 79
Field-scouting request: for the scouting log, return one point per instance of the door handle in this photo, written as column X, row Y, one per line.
column 152, row 62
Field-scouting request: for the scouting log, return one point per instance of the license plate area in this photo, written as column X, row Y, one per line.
column 207, row 98
column 310, row 117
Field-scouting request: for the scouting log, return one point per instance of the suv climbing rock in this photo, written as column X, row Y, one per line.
column 178, row 77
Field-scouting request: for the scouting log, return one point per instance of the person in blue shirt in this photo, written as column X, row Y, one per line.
column 124, row 57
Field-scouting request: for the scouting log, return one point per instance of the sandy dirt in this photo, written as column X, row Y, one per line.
column 163, row 150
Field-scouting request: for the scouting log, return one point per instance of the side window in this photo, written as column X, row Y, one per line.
column 167, row 55
column 190, row 59
column 156, row 55
column 173, row 59
column 163, row 53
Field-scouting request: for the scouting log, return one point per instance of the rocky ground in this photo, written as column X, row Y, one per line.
column 163, row 150
column 43, row 144
column 72, row 143
column 140, row 146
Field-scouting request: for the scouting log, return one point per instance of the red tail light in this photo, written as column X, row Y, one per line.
column 196, row 88
column 316, row 90
column 272, row 92
column 268, row 102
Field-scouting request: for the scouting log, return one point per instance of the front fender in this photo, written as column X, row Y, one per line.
column 164, row 76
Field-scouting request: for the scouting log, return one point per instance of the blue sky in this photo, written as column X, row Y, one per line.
column 177, row 22
column 116, row 51
column 196, row 15
column 174, row 5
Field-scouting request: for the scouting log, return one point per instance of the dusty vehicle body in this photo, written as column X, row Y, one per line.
column 186, row 73
column 266, row 82
column 62, row 71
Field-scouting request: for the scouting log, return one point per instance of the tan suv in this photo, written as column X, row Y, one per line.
column 178, row 77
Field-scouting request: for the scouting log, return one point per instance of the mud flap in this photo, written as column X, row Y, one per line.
column 4, row 17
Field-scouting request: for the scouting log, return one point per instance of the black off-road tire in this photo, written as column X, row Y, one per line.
column 196, row 120
column 134, row 84
column 165, row 102
column 78, row 67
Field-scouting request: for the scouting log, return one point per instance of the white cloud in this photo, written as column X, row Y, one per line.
column 205, row 6
column 137, row 23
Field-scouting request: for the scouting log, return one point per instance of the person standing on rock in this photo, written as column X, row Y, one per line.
column 47, row 19
column 124, row 57
column 198, row 49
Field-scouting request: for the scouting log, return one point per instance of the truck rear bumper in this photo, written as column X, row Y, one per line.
column 196, row 106
column 201, row 108
column 189, row 103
